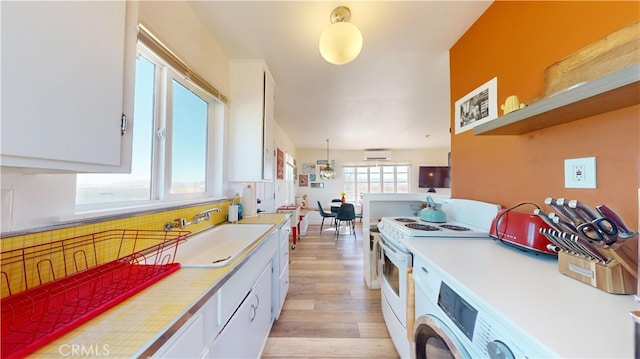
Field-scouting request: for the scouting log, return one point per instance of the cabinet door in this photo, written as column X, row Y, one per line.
column 63, row 76
column 245, row 334
column 251, row 142
column 269, row 158
column 189, row 342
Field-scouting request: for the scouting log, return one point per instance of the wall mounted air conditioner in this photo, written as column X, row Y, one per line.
column 377, row 155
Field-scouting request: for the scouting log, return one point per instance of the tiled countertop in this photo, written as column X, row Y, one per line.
column 128, row 329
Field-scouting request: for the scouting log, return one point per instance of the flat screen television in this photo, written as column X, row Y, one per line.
column 433, row 177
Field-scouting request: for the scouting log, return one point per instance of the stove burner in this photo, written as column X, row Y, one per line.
column 455, row 228
column 422, row 227
column 407, row 220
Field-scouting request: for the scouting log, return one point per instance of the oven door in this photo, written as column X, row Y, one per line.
column 393, row 289
column 395, row 262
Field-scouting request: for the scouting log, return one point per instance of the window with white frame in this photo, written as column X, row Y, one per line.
column 392, row 178
column 173, row 132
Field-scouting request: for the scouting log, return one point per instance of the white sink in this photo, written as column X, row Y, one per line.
column 220, row 245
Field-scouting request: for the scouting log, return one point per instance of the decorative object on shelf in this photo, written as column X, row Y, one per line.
column 327, row 172
column 601, row 77
column 344, row 200
column 341, row 42
column 303, row 203
column 477, row 107
column 511, row 104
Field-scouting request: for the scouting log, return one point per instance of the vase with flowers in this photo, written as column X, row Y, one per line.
column 343, row 197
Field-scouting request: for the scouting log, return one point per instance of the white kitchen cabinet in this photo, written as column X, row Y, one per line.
column 193, row 338
column 68, row 70
column 251, row 154
column 281, row 270
column 247, row 331
column 241, row 310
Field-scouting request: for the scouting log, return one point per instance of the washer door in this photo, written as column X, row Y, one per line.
column 433, row 340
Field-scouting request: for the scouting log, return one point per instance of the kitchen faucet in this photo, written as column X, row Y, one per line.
column 204, row 215
column 181, row 222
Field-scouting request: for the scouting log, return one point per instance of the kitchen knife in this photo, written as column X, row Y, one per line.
column 553, row 248
column 583, row 210
column 556, row 238
column 566, row 238
column 545, row 217
column 563, row 225
column 569, row 212
column 623, row 230
column 560, row 209
column 589, row 248
column 552, row 239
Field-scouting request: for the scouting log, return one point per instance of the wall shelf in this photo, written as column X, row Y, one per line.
column 611, row 92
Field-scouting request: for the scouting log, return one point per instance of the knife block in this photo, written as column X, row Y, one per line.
column 618, row 276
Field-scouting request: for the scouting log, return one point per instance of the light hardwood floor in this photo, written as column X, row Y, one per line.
column 329, row 312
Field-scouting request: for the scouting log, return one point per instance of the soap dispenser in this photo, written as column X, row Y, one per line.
column 238, row 202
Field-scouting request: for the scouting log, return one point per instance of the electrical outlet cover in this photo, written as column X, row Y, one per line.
column 580, row 172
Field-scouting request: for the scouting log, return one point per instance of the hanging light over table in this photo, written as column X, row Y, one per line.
column 327, row 172
column 341, row 42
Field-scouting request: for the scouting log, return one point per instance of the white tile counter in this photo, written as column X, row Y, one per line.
column 571, row 318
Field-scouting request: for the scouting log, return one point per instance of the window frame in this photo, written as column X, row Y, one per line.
column 358, row 195
column 162, row 142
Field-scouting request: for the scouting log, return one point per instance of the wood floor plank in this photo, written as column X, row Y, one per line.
column 329, row 311
column 329, row 348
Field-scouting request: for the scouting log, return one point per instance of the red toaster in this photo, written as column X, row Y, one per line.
column 521, row 230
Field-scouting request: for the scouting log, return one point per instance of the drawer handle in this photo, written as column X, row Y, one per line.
column 254, row 309
column 252, row 313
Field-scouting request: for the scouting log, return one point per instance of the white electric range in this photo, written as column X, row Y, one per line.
column 465, row 219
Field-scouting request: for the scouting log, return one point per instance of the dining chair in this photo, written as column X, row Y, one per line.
column 335, row 205
column 346, row 213
column 326, row 215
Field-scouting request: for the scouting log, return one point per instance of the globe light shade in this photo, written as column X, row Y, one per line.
column 340, row 43
column 327, row 172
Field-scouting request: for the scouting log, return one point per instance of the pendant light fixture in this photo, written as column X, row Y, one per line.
column 341, row 42
column 327, row 172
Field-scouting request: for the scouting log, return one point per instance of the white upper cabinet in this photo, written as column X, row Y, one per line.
column 251, row 140
column 67, row 80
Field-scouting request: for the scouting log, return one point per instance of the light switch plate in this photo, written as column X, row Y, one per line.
column 580, row 172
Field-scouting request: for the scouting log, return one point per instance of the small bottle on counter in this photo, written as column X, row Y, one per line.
column 238, row 202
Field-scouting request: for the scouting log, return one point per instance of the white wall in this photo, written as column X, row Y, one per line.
column 334, row 187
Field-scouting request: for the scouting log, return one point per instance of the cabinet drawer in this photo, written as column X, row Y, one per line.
column 284, row 256
column 284, row 285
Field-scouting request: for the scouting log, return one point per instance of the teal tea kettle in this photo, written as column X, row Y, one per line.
column 432, row 213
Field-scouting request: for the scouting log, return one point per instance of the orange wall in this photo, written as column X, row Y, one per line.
column 515, row 41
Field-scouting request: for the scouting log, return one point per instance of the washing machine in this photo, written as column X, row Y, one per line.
column 450, row 322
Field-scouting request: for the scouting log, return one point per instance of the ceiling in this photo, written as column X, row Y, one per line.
column 394, row 95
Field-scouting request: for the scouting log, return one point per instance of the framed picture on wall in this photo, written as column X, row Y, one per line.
column 308, row 168
column 303, row 181
column 317, row 185
column 477, row 107
column 279, row 164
